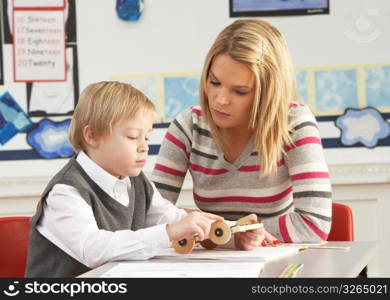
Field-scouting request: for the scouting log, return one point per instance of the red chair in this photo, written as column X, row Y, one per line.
column 14, row 233
column 342, row 223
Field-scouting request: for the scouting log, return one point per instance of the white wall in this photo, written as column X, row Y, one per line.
column 175, row 35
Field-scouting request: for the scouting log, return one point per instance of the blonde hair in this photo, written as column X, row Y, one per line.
column 262, row 48
column 101, row 105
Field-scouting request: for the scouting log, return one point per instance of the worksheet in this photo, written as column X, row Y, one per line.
column 178, row 269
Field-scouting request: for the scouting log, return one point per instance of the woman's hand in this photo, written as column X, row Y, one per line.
column 252, row 239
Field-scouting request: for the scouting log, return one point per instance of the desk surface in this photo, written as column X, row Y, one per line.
column 326, row 262
column 317, row 262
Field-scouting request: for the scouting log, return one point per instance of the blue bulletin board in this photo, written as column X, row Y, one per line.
column 332, row 92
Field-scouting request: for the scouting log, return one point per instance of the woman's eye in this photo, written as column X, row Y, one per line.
column 132, row 138
column 147, row 140
column 241, row 93
column 214, row 83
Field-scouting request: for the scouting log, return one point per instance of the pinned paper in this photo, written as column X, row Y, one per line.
column 13, row 119
column 129, row 10
column 50, row 139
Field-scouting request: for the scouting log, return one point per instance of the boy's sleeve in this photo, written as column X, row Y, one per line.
column 172, row 161
column 69, row 223
column 311, row 219
column 162, row 211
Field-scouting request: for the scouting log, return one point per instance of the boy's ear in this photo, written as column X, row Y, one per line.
column 90, row 136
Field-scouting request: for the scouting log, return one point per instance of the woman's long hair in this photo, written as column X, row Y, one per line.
column 261, row 47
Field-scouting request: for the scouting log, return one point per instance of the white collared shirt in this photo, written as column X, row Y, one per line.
column 69, row 223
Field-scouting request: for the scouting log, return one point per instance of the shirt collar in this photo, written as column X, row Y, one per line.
column 102, row 178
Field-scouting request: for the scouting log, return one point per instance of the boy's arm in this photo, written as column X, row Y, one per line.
column 69, row 223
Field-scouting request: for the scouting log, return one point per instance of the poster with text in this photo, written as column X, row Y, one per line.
column 55, row 98
column 39, row 45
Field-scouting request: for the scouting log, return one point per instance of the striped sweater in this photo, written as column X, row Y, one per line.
column 294, row 205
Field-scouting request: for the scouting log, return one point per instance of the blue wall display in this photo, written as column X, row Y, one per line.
column 336, row 89
column 366, row 126
column 129, row 10
column 180, row 93
column 301, row 77
column 378, row 86
column 13, row 119
column 50, row 139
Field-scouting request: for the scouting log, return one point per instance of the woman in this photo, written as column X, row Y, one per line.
column 250, row 147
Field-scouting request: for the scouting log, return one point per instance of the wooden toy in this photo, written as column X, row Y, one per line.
column 220, row 234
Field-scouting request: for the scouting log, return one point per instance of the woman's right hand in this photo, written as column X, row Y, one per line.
column 195, row 223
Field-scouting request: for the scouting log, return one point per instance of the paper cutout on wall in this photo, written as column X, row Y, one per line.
column 171, row 93
column 330, row 90
column 69, row 15
column 55, row 98
column 301, row 77
column 327, row 90
column 13, row 119
column 366, row 126
column 180, row 93
column 147, row 85
column 336, row 89
column 50, row 139
column 378, row 86
column 129, row 10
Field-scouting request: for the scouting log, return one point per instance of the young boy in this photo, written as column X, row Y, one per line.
column 100, row 207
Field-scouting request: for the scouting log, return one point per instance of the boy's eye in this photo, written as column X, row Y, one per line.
column 132, row 137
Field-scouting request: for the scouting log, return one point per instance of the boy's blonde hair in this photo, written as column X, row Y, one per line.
column 101, row 105
column 262, row 48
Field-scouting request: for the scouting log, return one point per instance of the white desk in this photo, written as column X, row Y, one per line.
column 317, row 262
column 327, row 262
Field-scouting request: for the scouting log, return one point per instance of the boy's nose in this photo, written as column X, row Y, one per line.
column 143, row 148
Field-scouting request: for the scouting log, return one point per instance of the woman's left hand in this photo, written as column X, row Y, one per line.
column 252, row 239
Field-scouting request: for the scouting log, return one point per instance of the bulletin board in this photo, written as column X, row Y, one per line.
column 339, row 75
column 350, row 102
column 40, row 87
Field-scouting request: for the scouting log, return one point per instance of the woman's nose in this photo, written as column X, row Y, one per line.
column 222, row 98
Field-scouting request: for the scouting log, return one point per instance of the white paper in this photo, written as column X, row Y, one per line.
column 38, row 3
column 55, row 97
column 39, row 45
column 196, row 269
column 260, row 253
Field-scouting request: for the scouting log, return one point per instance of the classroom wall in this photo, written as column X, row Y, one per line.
column 173, row 37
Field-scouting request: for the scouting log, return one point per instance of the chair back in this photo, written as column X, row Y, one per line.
column 14, row 233
column 342, row 223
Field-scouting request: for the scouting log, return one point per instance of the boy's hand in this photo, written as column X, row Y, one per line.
column 195, row 223
column 250, row 239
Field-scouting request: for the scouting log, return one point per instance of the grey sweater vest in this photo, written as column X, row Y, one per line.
column 45, row 259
